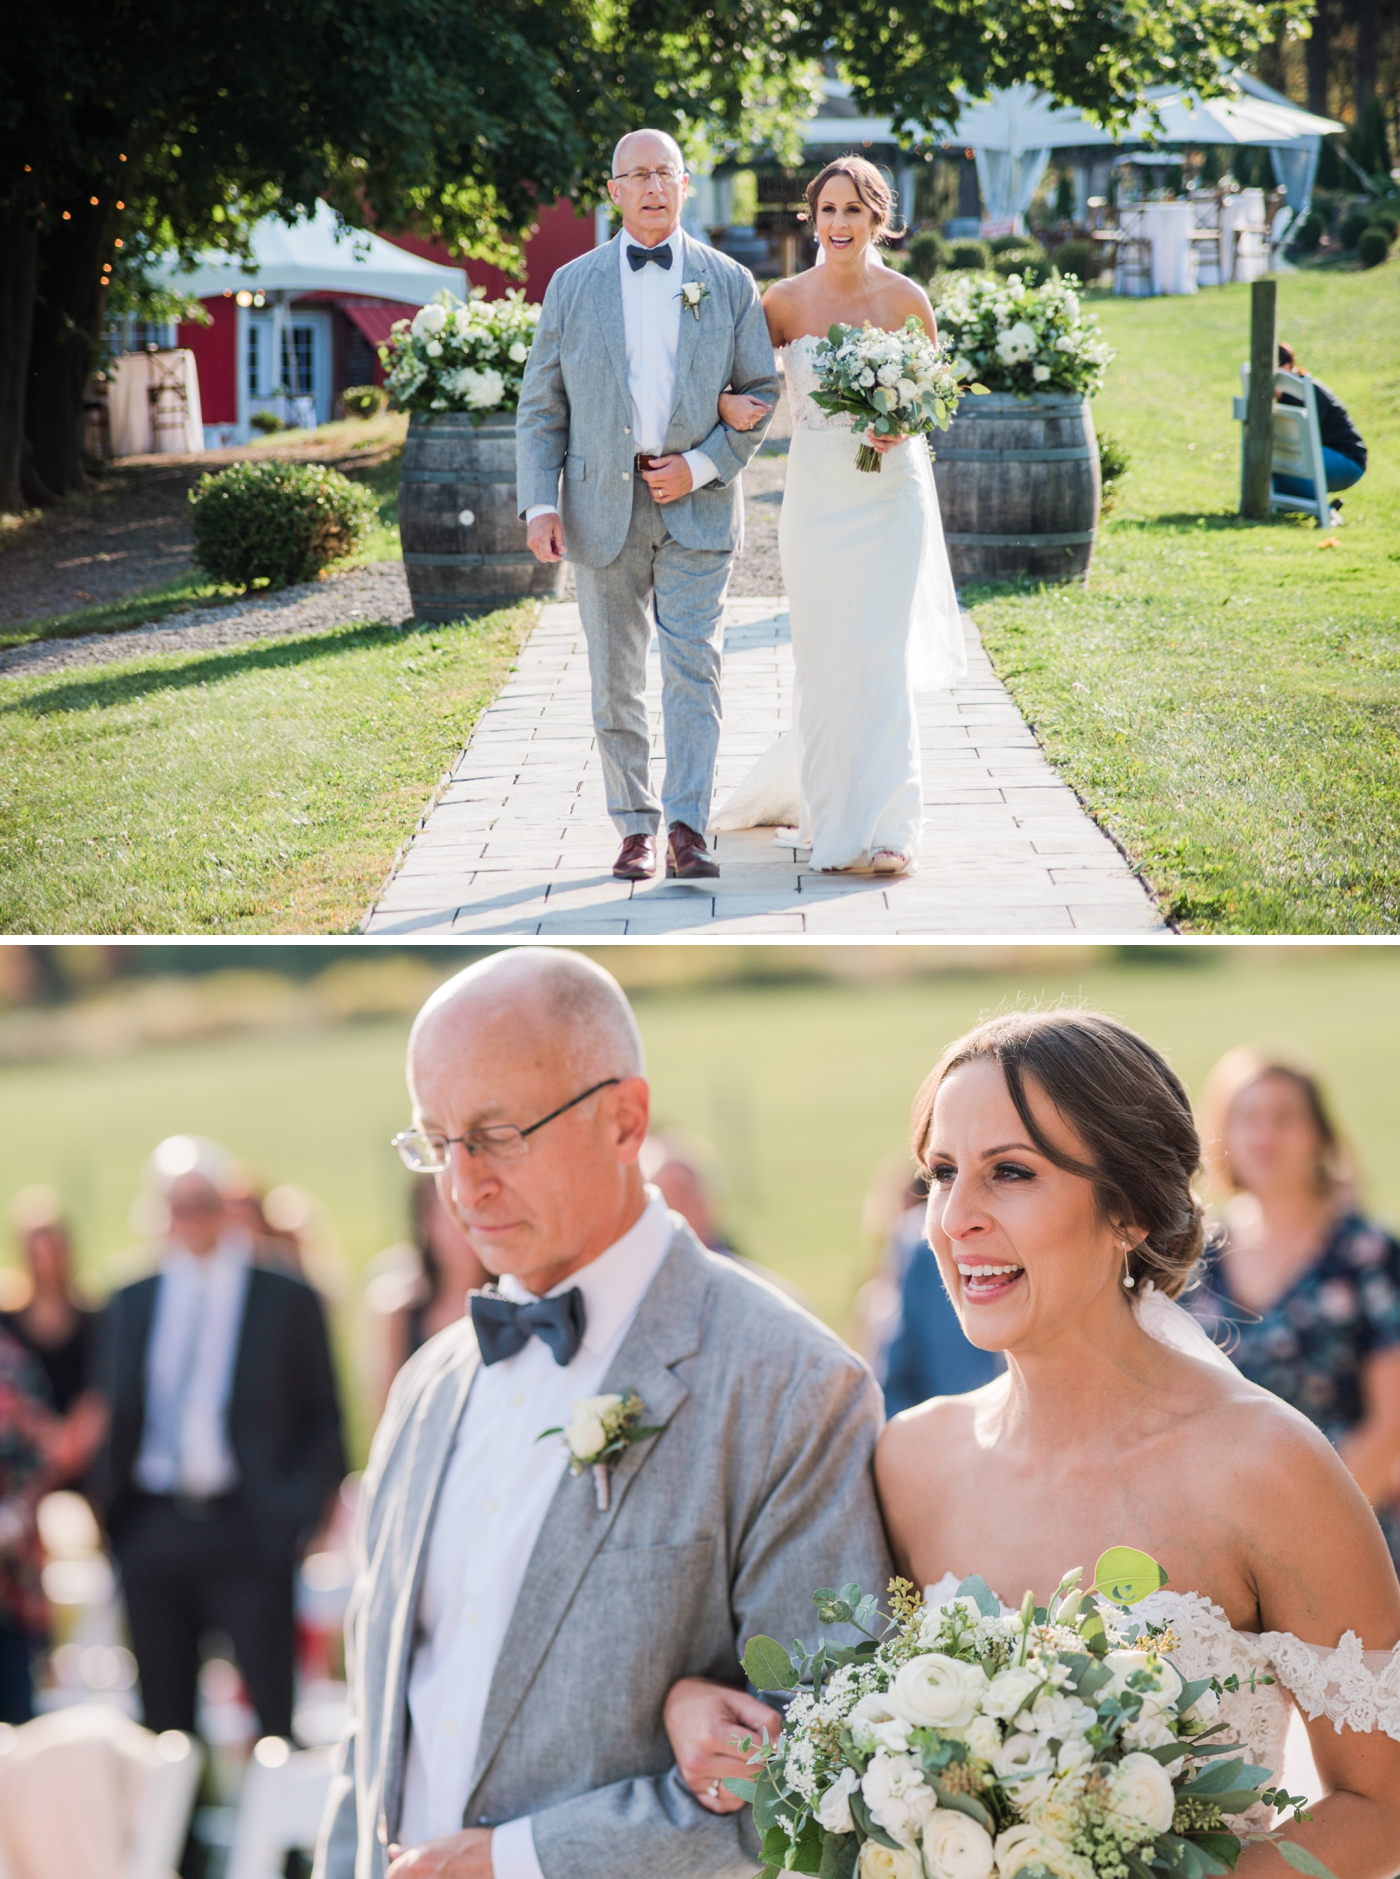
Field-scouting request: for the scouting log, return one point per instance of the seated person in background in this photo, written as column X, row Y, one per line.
column 1343, row 453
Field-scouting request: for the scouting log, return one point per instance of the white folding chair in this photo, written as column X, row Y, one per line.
column 280, row 1809
column 1297, row 443
column 85, row 1793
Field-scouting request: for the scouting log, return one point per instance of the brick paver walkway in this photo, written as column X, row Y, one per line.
column 519, row 842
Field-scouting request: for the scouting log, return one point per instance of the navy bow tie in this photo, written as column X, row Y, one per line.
column 503, row 1327
column 640, row 256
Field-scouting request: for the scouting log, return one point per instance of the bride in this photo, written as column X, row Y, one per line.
column 874, row 612
column 1060, row 1149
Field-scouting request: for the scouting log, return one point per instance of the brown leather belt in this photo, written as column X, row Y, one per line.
column 644, row 461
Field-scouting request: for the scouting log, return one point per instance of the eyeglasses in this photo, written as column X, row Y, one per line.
column 499, row 1141
column 666, row 177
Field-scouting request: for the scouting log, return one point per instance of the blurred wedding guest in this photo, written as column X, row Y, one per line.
column 1301, row 1288
column 1343, row 453
column 924, row 1352
column 683, row 1168
column 24, row 1474
column 422, row 1286
column 224, row 1449
column 56, row 1327
column 245, row 1203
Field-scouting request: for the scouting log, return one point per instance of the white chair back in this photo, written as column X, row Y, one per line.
column 85, row 1793
column 1297, row 447
column 283, row 1799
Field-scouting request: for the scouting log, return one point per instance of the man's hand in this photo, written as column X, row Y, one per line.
column 545, row 537
column 706, row 1721
column 668, row 478
column 465, row 1855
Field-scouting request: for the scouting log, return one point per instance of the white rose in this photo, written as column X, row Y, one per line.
column 429, row 319
column 956, row 1847
column 885, row 1862
column 585, row 1438
column 595, row 1406
column 1021, row 1845
column 1040, row 373
column 1140, row 1792
column 867, row 379
column 519, row 353
column 937, row 1692
column 1009, row 1692
column 983, row 1738
column 434, row 348
column 1025, row 1763
column 834, row 1808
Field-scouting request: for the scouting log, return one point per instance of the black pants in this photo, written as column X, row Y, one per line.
column 186, row 1573
column 16, row 1678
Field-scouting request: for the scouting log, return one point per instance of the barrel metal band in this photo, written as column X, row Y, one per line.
column 450, row 606
column 1078, row 454
column 1076, row 539
column 470, row 561
column 456, row 478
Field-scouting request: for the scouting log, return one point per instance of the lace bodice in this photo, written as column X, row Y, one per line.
column 800, row 360
column 1353, row 1688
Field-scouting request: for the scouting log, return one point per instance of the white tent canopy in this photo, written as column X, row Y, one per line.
column 319, row 256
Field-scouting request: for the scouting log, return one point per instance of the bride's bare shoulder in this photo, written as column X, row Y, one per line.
column 933, row 1437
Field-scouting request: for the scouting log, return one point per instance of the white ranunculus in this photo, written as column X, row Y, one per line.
column 1021, row 1845
column 1025, row 1763
column 885, row 1862
column 956, row 1847
column 983, row 1737
column 834, row 1808
column 1054, row 1712
column 908, row 391
column 937, row 1692
column 429, row 319
column 1125, row 1664
column 1140, row 1792
column 1010, row 1691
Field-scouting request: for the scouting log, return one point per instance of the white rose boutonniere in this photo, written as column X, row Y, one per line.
column 599, row 1429
column 693, row 295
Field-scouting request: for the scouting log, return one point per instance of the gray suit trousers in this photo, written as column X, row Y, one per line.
column 687, row 587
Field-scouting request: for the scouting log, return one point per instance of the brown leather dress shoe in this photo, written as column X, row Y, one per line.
column 687, row 858
column 636, row 859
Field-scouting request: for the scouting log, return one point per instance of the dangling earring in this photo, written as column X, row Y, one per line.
column 1128, row 1280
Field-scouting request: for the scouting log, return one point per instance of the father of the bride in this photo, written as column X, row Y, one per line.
column 636, row 341
column 515, row 1627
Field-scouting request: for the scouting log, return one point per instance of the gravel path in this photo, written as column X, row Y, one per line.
column 375, row 593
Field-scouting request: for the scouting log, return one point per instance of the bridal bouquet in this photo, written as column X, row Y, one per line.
column 957, row 1741
column 1029, row 340
column 455, row 357
column 900, row 380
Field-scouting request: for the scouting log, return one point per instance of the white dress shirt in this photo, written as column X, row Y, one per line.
column 651, row 320
column 185, row 1447
column 496, row 1490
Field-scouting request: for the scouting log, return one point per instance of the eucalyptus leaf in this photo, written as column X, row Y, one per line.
column 746, row 1790
column 1212, row 1781
column 768, row 1666
column 1125, row 1575
column 977, row 1589
column 839, row 1855
column 1301, row 1860
column 964, row 1804
column 860, row 1814
column 769, row 1807
column 1219, row 1845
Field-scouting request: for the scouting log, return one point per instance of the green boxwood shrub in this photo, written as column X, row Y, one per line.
column 1385, row 215
column 276, row 522
column 1113, row 463
column 1354, row 227
column 927, row 253
column 1373, row 246
column 1003, row 244
column 970, row 252
column 268, row 422
column 1307, row 236
column 1032, row 264
column 1083, row 259
column 363, row 401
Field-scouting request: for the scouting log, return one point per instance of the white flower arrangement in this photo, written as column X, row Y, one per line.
column 898, row 384
column 453, row 356
column 693, row 295
column 1015, row 338
column 957, row 1741
column 599, row 1430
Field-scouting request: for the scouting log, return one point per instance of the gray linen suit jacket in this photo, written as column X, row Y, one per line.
column 575, row 411
column 757, row 1491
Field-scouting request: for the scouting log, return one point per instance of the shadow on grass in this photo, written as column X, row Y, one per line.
column 116, row 616
column 266, row 656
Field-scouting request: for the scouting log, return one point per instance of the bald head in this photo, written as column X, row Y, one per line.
column 646, row 146
column 558, row 1005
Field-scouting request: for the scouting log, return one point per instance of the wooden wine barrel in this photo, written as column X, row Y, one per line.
column 1018, row 487
column 463, row 543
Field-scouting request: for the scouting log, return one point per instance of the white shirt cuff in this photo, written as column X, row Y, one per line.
column 540, row 508
column 513, row 1851
column 702, row 471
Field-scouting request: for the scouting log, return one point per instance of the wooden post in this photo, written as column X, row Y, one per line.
column 1259, row 420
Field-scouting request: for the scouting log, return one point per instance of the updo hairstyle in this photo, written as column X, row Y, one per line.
column 1126, row 1105
column 868, row 184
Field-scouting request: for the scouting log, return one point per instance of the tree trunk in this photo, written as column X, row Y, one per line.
column 66, row 336
column 19, row 241
column 1366, row 46
column 1319, row 58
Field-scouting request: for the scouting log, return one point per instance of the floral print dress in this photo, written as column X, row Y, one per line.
column 1311, row 1346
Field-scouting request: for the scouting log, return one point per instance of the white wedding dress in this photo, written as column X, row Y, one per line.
column 874, row 619
column 1352, row 1687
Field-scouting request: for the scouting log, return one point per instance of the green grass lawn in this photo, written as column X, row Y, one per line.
column 262, row 789
column 1225, row 695
column 803, row 1087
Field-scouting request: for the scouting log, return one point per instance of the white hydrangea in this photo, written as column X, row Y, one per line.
column 429, row 320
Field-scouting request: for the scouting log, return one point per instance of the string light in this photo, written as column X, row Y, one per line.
column 66, row 216
column 121, row 205
column 92, row 202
